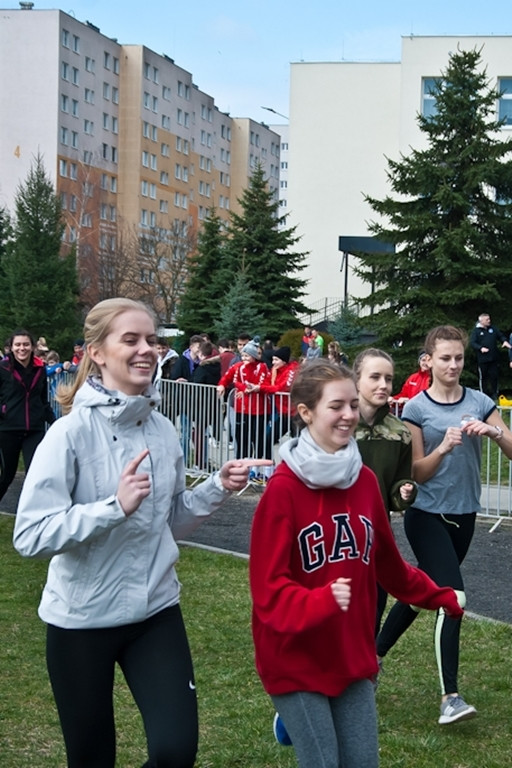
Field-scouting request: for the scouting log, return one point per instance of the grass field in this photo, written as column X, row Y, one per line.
column 235, row 713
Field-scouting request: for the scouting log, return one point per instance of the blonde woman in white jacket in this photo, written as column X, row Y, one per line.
column 105, row 498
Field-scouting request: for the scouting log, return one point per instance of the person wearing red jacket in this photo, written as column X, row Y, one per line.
column 278, row 384
column 320, row 542
column 416, row 382
column 251, row 407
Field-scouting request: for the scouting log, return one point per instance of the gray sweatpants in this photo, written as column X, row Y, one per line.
column 338, row 732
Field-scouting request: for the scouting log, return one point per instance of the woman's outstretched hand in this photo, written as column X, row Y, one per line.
column 234, row 474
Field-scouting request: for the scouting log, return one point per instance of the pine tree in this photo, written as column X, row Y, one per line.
column 239, row 312
column 40, row 286
column 207, row 283
column 450, row 218
column 259, row 246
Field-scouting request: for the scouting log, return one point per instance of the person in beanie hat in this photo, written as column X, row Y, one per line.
column 251, row 405
column 279, row 385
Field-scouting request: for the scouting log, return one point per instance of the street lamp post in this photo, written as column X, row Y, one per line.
column 269, row 109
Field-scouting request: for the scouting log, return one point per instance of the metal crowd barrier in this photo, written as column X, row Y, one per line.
column 212, row 430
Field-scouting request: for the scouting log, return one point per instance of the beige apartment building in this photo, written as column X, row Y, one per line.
column 346, row 119
column 134, row 147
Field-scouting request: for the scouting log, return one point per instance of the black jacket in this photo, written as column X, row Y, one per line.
column 486, row 337
column 24, row 396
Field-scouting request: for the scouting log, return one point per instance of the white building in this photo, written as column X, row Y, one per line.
column 346, row 119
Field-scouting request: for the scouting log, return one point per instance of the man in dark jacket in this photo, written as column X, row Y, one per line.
column 183, row 371
column 484, row 339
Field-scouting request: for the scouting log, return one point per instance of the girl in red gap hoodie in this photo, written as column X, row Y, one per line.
column 320, row 542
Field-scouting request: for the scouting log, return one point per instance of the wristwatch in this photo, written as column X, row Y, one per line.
column 499, row 432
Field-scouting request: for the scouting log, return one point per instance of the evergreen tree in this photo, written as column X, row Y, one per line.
column 239, row 312
column 346, row 328
column 207, row 281
column 261, row 248
column 40, row 286
column 450, row 218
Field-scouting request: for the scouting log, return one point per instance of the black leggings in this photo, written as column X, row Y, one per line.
column 12, row 444
column 440, row 544
column 155, row 659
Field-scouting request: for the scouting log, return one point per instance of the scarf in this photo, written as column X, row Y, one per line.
column 318, row 469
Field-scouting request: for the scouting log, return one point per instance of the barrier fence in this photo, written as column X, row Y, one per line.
column 212, row 430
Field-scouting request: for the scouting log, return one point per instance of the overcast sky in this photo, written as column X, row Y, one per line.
column 239, row 51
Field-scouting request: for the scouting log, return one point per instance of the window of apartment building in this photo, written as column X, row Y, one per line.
column 75, row 76
column 104, row 151
column 156, row 75
column 115, row 94
column 146, row 69
column 115, row 65
column 186, row 146
column 72, row 234
column 166, row 92
column 185, row 173
column 283, row 203
column 115, row 125
column 76, row 44
column 164, row 206
column 74, row 107
column 106, row 91
column 428, row 99
column 146, row 100
column 63, row 201
column 505, row 100
column 88, row 189
column 144, row 217
column 165, row 150
column 103, row 211
column 86, row 220
column 166, row 122
column 89, row 96
column 164, row 177
column 178, row 143
column 179, row 117
column 89, row 127
column 154, row 162
column 114, row 154
column 103, row 181
column 107, row 60
column 73, row 202
column 181, row 89
column 284, row 146
column 113, row 184
column 106, row 121
column 152, row 191
column 64, row 70
column 113, row 213
column 204, row 112
column 103, row 241
column 177, row 171
column 64, row 103
column 144, row 187
column 145, row 129
column 65, row 38
column 154, row 103
column 284, row 184
column 203, row 137
column 89, row 64
column 284, row 165
column 73, row 171
column 145, row 159
column 177, row 199
column 152, row 219
column 74, row 139
column 63, row 168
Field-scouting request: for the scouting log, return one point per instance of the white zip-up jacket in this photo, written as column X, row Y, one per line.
column 108, row 569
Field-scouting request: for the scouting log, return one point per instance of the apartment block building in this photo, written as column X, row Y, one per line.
column 346, row 119
column 133, row 146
